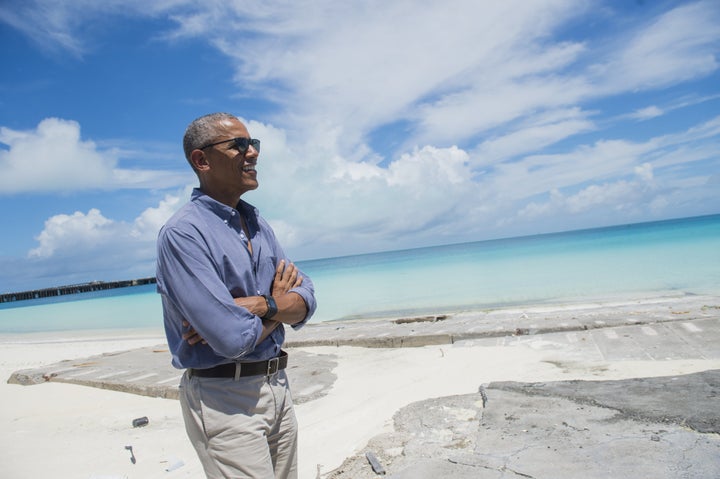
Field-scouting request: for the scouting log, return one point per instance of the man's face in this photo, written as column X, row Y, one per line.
column 231, row 170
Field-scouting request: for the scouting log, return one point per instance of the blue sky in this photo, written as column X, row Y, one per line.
column 385, row 124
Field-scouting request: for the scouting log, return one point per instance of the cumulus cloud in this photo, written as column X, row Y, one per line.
column 336, row 203
column 54, row 158
column 73, row 232
column 146, row 226
column 85, row 242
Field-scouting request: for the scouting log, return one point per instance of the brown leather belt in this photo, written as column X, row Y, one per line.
column 243, row 368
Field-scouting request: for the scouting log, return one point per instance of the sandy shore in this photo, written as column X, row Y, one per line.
column 69, row 431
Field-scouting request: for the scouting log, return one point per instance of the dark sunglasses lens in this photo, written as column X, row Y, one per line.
column 243, row 144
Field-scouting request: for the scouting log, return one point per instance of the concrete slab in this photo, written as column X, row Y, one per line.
column 661, row 427
column 147, row 372
column 684, row 326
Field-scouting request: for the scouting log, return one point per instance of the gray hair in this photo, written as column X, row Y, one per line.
column 202, row 131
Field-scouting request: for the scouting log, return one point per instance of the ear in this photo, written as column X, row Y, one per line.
column 199, row 160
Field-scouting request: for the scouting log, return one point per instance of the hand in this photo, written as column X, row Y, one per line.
column 192, row 336
column 286, row 278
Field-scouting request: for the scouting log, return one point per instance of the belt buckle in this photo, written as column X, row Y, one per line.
column 273, row 365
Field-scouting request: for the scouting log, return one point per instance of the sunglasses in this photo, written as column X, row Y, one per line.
column 242, row 144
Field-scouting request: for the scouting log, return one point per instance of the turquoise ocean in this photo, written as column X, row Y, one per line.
column 641, row 260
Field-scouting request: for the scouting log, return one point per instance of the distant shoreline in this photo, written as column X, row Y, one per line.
column 73, row 289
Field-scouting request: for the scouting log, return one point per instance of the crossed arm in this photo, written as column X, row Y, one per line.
column 291, row 307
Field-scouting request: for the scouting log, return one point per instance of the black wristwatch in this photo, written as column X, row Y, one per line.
column 271, row 307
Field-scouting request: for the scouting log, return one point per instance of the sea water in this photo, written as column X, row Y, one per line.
column 639, row 260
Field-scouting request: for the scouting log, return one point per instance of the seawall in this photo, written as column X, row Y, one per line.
column 73, row 289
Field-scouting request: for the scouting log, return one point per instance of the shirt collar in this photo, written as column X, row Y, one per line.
column 220, row 209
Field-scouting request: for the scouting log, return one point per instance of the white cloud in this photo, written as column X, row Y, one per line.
column 73, row 232
column 644, row 172
column 646, row 113
column 437, row 65
column 55, row 25
column 533, row 135
column 329, row 202
column 452, row 71
column 324, row 203
column 608, row 197
column 44, row 22
column 616, row 179
column 428, row 196
column 54, row 158
column 538, row 174
column 147, row 225
column 84, row 241
column 680, row 44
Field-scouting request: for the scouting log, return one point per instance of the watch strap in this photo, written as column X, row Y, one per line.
column 271, row 307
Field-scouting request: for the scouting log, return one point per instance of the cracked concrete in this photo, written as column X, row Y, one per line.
column 666, row 427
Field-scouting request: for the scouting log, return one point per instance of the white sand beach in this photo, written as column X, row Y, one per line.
column 69, row 431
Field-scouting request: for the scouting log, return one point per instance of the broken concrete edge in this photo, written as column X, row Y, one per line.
column 419, row 340
column 138, row 390
column 28, row 378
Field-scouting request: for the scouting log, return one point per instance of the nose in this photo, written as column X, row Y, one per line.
column 251, row 152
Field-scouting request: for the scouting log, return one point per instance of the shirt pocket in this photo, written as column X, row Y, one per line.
column 266, row 273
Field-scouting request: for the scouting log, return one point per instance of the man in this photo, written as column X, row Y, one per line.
column 227, row 289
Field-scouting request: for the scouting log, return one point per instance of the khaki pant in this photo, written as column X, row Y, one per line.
column 241, row 429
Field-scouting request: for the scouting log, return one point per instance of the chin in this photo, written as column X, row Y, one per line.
column 252, row 186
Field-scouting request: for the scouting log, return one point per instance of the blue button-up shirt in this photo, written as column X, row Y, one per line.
column 203, row 263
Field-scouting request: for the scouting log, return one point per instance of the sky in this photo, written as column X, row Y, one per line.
column 384, row 124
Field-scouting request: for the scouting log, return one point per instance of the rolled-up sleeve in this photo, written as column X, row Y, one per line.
column 307, row 292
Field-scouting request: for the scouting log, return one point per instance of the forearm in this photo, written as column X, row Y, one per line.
column 291, row 308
